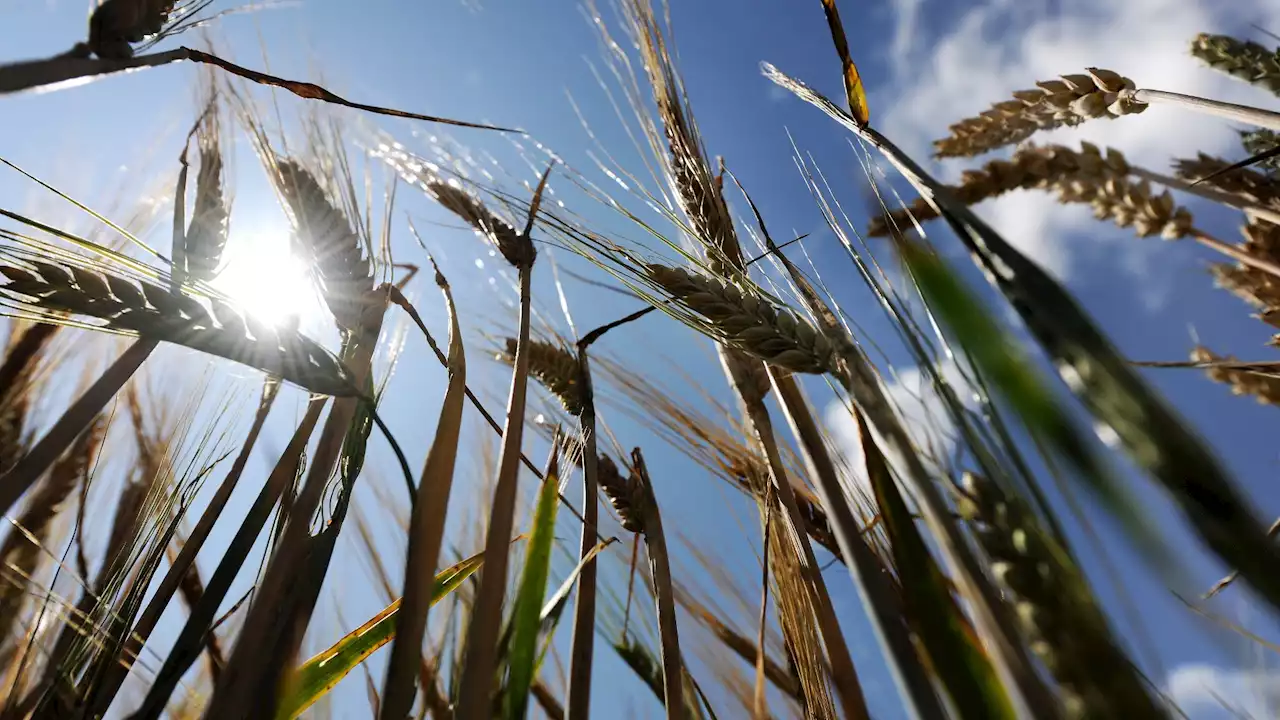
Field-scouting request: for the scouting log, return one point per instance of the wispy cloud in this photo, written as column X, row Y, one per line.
column 1205, row 691
column 956, row 67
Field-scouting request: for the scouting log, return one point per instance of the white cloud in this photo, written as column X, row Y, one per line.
column 1200, row 690
column 987, row 51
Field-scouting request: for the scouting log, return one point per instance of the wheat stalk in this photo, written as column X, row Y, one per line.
column 332, row 247
column 1055, row 608
column 555, row 367
column 1241, row 59
column 152, row 312
column 1067, row 101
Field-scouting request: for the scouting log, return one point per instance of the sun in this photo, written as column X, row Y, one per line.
column 265, row 278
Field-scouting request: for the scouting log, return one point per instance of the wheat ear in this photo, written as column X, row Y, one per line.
column 332, row 247
column 1030, row 167
column 1242, row 59
column 206, row 236
column 1246, row 183
column 1264, row 387
column 1067, row 101
column 156, row 313
column 555, row 367
column 1055, row 608
column 515, row 248
column 1256, row 142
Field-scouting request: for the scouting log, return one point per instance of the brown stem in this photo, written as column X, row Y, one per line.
column 33, row 465
column 582, row 644
column 476, row 688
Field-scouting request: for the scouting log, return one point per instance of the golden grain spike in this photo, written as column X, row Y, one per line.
column 1245, row 183
column 555, row 367
column 624, row 493
column 516, row 249
column 1031, row 166
column 135, row 306
column 1241, row 59
column 1265, row 388
column 206, row 237
column 1067, row 101
column 748, row 322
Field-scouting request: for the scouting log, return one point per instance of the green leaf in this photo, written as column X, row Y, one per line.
column 323, row 672
column 997, row 357
column 522, row 657
column 931, row 609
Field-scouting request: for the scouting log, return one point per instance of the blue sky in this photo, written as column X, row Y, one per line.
column 927, row 63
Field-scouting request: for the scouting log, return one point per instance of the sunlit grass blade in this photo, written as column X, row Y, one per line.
column 1154, row 436
column 187, row 646
column 936, row 617
column 426, row 525
column 525, row 615
column 323, row 672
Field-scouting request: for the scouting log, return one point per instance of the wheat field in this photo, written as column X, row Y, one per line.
column 512, row 403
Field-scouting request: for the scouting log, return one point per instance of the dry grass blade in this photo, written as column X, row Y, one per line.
column 185, row 562
column 426, row 529
column 475, row 690
column 156, row 314
column 277, row 621
column 27, row 75
column 1241, row 59
column 634, row 500
column 866, row 570
column 187, row 646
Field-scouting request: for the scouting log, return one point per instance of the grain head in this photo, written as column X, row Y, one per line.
column 1067, row 101
column 206, row 236
column 1030, row 166
column 331, row 245
column 1259, row 141
column 1246, row 183
column 625, row 494
column 557, row 368
column 1242, row 59
column 116, row 24
column 1263, row 386
column 515, row 247
column 141, row 307
column 749, row 322
column 1130, row 204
